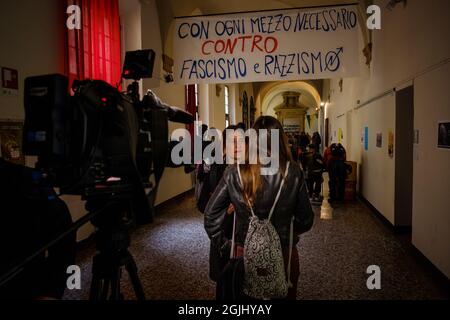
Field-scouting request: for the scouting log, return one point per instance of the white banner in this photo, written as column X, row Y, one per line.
column 267, row 46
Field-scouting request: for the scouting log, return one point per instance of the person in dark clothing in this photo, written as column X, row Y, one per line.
column 32, row 216
column 259, row 192
column 316, row 140
column 210, row 176
column 314, row 170
column 334, row 158
column 241, row 126
column 304, row 141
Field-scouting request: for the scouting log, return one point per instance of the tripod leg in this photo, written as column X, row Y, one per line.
column 96, row 282
column 137, row 286
column 95, row 289
column 115, row 284
column 105, row 289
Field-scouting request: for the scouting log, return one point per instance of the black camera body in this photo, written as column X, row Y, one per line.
column 98, row 141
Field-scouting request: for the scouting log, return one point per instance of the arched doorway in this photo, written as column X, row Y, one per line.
column 306, row 112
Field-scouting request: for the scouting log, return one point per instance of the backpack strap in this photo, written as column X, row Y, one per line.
column 233, row 243
column 291, row 246
column 279, row 190
column 242, row 186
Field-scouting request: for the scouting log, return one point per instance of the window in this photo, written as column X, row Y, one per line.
column 94, row 51
column 196, row 97
column 227, row 107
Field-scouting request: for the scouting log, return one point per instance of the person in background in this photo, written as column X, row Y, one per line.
column 259, row 192
column 316, row 140
column 334, row 160
column 314, row 170
column 199, row 167
column 211, row 176
column 242, row 126
column 304, row 141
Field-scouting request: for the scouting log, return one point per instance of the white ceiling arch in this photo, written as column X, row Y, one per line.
column 310, row 97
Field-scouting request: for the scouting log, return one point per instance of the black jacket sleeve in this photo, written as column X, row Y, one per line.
column 304, row 214
column 216, row 209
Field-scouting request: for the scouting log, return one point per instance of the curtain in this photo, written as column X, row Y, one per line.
column 191, row 106
column 94, row 51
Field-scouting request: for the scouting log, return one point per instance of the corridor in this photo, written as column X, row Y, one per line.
column 141, row 106
column 172, row 257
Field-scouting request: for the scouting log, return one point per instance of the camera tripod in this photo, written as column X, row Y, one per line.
column 113, row 240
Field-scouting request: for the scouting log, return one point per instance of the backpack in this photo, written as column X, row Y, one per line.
column 265, row 276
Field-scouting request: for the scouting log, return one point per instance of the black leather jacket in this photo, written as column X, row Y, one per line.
column 293, row 201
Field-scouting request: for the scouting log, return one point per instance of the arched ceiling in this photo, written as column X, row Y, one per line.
column 310, row 97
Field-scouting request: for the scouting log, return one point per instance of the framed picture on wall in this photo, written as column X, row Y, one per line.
column 11, row 141
column 444, row 134
column 379, row 140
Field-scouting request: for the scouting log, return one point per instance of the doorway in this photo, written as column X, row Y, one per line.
column 404, row 138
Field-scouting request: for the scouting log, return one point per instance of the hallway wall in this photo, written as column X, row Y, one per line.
column 411, row 48
column 173, row 181
column 32, row 37
column 217, row 107
column 431, row 179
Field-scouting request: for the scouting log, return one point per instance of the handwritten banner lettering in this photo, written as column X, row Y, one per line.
column 267, row 46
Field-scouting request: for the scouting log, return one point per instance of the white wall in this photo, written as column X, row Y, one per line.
column 203, row 101
column 216, row 107
column 32, row 34
column 377, row 169
column 431, row 212
column 412, row 42
column 173, row 181
column 131, row 31
column 151, row 39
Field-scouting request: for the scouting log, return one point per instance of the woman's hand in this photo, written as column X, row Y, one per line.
column 230, row 209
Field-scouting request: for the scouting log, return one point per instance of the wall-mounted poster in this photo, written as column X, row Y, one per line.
column 379, row 139
column 416, row 136
column 340, row 135
column 366, row 138
column 391, row 144
column 11, row 141
column 291, row 125
column 444, row 135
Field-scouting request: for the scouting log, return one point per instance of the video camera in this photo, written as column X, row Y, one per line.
column 109, row 147
column 100, row 141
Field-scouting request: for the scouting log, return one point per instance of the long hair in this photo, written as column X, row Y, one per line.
column 251, row 173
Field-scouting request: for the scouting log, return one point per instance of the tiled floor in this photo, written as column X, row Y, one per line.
column 172, row 257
